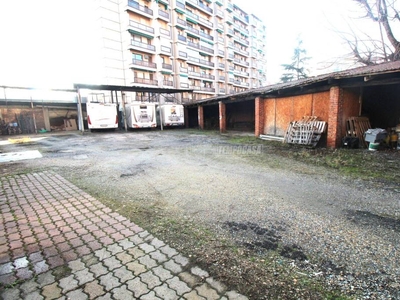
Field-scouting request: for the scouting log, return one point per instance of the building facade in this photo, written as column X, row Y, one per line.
column 210, row 46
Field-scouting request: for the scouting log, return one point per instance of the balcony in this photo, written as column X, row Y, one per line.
column 141, row 29
column 241, row 62
column 184, row 85
column 207, row 76
column 221, row 65
column 221, row 40
column 229, row 19
column 231, row 57
column 168, row 83
column 230, row 32
column 192, row 30
column 182, row 54
column 200, row 61
column 167, row 66
column 180, row 5
column 145, row 81
column 231, row 68
column 195, row 87
column 220, row 13
column 194, row 74
column 163, row 14
column 140, row 45
column 221, row 78
column 166, row 49
column 205, row 8
column 182, row 38
column 222, row 91
column 221, row 53
column 205, row 22
column 207, row 89
column 165, row 32
column 181, row 23
column 183, row 70
column 136, row 7
column 205, row 35
column 229, row 7
column 191, row 16
column 142, row 63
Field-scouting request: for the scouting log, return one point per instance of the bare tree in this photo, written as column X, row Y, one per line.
column 386, row 47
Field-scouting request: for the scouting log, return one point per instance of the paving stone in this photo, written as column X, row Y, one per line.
column 34, row 296
column 190, row 279
column 51, row 291
column 29, row 286
column 45, row 279
column 162, row 273
column 21, row 262
column 164, row 292
column 193, row 296
column 124, row 257
column 173, row 267
column 180, row 259
column 136, row 239
column 147, row 261
column 24, row 273
column 137, row 287
column 68, row 283
column 89, row 260
column 136, row 268
column 102, row 254
column 178, row 285
column 122, row 293
column 107, row 296
column 143, row 234
column 98, row 269
column 206, row 291
column 157, row 243
column 112, row 263
column 83, row 276
column 221, row 288
column 158, row 256
column 149, row 296
column 150, row 279
column 77, row 295
column 123, row 274
column 233, row 295
column 109, row 281
column 11, row 294
column 126, row 244
column 114, row 249
column 76, row 265
column 94, row 289
column 40, row 267
column 199, row 272
column 147, row 248
column 136, row 252
column 6, row 268
column 36, row 257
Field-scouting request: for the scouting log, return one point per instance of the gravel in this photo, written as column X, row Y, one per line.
column 340, row 230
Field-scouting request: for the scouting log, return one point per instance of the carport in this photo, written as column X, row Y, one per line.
column 371, row 91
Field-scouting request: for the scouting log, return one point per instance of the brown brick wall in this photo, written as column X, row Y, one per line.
column 335, row 117
column 201, row 116
column 259, row 117
column 222, row 117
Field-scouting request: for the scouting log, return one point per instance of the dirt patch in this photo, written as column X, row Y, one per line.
column 367, row 218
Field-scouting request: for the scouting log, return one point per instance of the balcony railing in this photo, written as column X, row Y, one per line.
column 180, row 5
column 201, row 61
column 184, row 85
column 222, row 91
column 192, row 73
column 220, row 13
column 205, row 7
column 145, row 81
column 139, row 7
column 143, row 45
column 207, row 89
column 221, row 52
column 182, row 38
column 182, row 54
column 144, row 63
column 221, row 65
column 168, row 83
column 141, row 26
column 166, row 49
column 222, row 78
column 167, row 66
column 181, row 22
column 206, row 22
column 193, row 30
column 183, row 70
column 165, row 32
column 207, row 76
column 163, row 14
column 205, row 35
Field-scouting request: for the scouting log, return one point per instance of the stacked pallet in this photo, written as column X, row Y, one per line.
column 307, row 131
column 356, row 127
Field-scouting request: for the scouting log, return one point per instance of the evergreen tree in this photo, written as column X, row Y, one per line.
column 296, row 69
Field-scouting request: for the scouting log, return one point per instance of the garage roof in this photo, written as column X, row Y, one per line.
column 387, row 73
column 123, row 88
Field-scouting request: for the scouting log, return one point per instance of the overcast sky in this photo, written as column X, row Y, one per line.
column 47, row 43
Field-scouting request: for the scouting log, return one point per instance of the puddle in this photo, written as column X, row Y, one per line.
column 14, row 156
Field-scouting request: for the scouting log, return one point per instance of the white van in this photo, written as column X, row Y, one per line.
column 141, row 115
column 101, row 114
column 172, row 115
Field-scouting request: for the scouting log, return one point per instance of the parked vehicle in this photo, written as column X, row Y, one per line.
column 141, row 115
column 100, row 113
column 171, row 115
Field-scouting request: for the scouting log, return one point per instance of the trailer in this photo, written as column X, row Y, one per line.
column 100, row 113
column 141, row 115
column 171, row 115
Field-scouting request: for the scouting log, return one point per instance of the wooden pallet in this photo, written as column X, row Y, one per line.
column 307, row 131
column 356, row 127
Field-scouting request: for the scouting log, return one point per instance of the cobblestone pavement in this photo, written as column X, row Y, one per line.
column 58, row 242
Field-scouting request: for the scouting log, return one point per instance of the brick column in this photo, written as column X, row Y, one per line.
column 222, row 117
column 335, row 117
column 259, row 117
column 201, row 116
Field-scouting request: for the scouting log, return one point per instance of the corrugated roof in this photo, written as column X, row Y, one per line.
column 390, row 67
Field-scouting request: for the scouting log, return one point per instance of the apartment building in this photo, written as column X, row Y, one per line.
column 210, row 46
